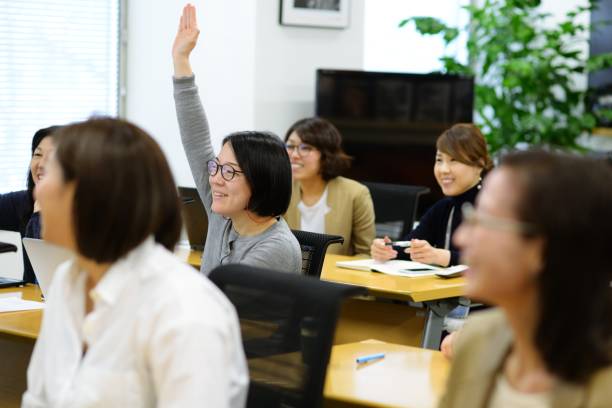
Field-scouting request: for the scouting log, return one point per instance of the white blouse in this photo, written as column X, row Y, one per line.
column 159, row 335
column 313, row 217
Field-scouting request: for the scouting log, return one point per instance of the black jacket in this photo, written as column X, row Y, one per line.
column 432, row 226
column 16, row 215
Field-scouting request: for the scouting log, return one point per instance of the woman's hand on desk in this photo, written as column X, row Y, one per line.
column 382, row 252
column 421, row 251
column 185, row 41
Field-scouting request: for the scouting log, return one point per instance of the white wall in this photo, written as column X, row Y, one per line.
column 286, row 60
column 252, row 72
column 392, row 49
column 222, row 61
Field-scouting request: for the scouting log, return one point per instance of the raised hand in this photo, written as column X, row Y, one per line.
column 185, row 41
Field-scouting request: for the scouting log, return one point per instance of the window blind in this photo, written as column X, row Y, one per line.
column 59, row 63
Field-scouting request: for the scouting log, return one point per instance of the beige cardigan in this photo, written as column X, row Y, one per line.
column 351, row 215
column 481, row 349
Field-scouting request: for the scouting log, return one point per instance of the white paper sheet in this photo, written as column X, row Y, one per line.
column 16, row 304
column 399, row 267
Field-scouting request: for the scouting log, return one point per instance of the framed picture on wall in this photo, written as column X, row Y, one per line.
column 315, row 13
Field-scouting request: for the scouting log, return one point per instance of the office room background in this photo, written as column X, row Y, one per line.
column 253, row 72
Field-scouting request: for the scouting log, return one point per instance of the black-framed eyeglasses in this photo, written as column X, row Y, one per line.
column 227, row 171
column 472, row 218
column 303, row 149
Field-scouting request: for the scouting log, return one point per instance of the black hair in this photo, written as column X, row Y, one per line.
column 568, row 199
column 38, row 137
column 264, row 160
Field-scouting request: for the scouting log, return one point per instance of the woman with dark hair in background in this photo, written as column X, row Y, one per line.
column 322, row 201
column 461, row 160
column 245, row 189
column 126, row 323
column 19, row 209
column 538, row 247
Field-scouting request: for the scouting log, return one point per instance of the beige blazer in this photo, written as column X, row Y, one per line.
column 351, row 215
column 481, row 349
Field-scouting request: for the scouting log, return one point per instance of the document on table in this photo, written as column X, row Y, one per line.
column 15, row 303
column 401, row 268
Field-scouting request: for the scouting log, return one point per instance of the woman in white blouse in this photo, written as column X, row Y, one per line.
column 126, row 323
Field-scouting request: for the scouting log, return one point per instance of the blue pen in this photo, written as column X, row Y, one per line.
column 370, row 357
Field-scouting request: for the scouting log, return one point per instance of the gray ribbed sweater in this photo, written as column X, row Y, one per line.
column 275, row 248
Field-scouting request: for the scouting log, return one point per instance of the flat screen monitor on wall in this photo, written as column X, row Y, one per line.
column 393, row 108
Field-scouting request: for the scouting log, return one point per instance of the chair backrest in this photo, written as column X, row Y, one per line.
column 395, row 203
column 314, row 246
column 287, row 323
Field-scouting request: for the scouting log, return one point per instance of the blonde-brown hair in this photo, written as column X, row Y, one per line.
column 465, row 143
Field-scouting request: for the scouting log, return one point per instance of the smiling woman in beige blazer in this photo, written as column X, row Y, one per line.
column 538, row 247
column 322, row 201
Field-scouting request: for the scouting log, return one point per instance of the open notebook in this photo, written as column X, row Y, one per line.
column 402, row 268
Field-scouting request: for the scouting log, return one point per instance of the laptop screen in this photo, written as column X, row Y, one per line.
column 195, row 219
column 45, row 259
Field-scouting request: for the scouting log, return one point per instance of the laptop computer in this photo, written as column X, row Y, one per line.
column 45, row 258
column 11, row 259
column 195, row 219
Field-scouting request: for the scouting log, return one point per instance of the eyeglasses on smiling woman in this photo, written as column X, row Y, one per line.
column 303, row 149
column 227, row 171
column 471, row 218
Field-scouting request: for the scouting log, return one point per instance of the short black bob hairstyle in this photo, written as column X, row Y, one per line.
column 264, row 160
column 124, row 190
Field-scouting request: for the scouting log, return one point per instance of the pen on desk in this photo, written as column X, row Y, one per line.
column 403, row 244
column 370, row 357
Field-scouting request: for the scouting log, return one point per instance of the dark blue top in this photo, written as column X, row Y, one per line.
column 16, row 215
column 433, row 224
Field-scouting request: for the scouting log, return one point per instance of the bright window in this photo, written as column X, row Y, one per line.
column 388, row 48
column 59, row 63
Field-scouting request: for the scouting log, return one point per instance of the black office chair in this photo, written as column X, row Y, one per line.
column 395, row 203
column 287, row 323
column 314, row 246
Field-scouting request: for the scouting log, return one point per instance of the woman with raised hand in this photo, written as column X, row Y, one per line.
column 245, row 188
column 323, row 201
column 538, row 247
column 461, row 159
column 19, row 210
column 126, row 323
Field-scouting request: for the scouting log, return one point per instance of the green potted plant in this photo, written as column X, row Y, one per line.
column 524, row 71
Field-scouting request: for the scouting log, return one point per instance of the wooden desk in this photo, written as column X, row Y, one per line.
column 378, row 284
column 193, row 258
column 435, row 296
column 420, row 289
column 406, row 377
column 18, row 332
column 392, row 322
